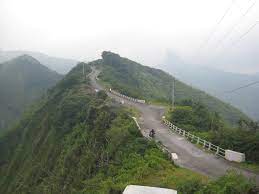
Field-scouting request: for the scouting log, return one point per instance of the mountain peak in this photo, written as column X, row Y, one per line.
column 28, row 58
column 109, row 53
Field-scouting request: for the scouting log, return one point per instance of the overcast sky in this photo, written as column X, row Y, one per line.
column 143, row 30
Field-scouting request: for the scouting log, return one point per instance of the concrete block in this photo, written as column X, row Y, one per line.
column 234, row 156
column 135, row 189
column 174, row 156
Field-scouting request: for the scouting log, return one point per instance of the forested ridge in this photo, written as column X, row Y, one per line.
column 196, row 111
column 23, row 80
column 76, row 140
column 154, row 85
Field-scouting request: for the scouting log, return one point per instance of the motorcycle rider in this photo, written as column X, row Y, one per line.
column 152, row 133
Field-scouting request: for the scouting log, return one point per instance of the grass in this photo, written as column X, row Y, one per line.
column 169, row 178
column 250, row 166
column 133, row 112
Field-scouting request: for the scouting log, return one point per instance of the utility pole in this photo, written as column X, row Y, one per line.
column 173, row 92
column 84, row 69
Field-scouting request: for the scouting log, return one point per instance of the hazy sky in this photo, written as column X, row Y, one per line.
column 143, row 30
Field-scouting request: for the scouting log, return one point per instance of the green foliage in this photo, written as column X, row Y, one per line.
column 195, row 117
column 135, row 80
column 231, row 183
column 239, row 140
column 190, row 187
column 23, row 81
column 102, row 95
column 74, row 141
column 205, row 124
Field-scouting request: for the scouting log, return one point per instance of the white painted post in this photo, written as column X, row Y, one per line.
column 217, row 150
column 209, row 145
column 198, row 140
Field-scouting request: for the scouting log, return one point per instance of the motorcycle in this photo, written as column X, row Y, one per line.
column 152, row 133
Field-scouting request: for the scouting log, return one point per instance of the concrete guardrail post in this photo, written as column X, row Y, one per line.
column 217, row 150
column 234, row 156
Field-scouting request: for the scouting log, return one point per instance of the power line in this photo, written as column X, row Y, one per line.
column 245, row 86
column 244, row 34
column 217, row 24
column 236, row 24
column 240, row 37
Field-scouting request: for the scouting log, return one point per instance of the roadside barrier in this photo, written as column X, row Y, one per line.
column 226, row 154
column 127, row 97
column 194, row 139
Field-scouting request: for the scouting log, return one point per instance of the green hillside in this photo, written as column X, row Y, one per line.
column 152, row 84
column 60, row 65
column 199, row 120
column 78, row 141
column 23, row 80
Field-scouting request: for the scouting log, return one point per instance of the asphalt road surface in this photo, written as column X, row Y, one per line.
column 189, row 156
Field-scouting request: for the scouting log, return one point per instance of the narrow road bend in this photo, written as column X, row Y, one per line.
column 189, row 156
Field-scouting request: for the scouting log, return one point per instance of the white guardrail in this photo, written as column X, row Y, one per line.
column 227, row 154
column 127, row 97
column 194, row 139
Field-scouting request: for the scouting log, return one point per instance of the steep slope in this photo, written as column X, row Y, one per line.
column 152, row 84
column 22, row 81
column 216, row 82
column 78, row 141
column 59, row 65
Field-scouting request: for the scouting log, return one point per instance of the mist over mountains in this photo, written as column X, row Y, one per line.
column 79, row 140
column 218, row 83
column 23, row 80
column 60, row 65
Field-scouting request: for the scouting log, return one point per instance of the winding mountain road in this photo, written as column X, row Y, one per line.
column 189, row 156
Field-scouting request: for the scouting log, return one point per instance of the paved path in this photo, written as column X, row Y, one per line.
column 189, row 155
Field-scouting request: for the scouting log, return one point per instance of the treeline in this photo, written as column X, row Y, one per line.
column 154, row 85
column 195, row 117
column 78, row 141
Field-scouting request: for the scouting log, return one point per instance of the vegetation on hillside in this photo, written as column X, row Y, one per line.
column 60, row 65
column 23, row 81
column 197, row 118
column 151, row 84
column 77, row 141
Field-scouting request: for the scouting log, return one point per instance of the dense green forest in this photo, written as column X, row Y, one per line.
column 152, row 84
column 23, row 80
column 197, row 118
column 78, row 141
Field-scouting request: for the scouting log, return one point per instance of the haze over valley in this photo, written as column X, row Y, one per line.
column 126, row 97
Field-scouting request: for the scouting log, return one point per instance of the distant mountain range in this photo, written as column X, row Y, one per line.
column 218, row 83
column 60, row 65
column 79, row 141
column 22, row 81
